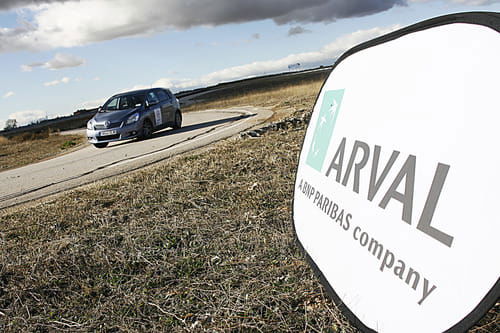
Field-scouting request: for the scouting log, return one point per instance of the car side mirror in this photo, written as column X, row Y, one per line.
column 99, row 109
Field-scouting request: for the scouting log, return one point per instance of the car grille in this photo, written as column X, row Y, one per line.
column 108, row 137
column 112, row 125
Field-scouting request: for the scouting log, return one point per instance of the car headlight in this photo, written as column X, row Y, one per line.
column 133, row 118
column 90, row 125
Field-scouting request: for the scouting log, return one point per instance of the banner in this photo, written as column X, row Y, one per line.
column 397, row 189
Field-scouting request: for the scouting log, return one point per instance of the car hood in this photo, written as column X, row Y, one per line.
column 114, row 116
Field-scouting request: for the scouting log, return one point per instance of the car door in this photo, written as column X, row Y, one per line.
column 168, row 107
column 164, row 106
column 155, row 107
column 172, row 105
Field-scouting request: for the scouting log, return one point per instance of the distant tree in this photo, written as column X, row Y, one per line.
column 10, row 124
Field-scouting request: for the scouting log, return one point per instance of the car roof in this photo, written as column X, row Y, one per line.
column 136, row 92
column 132, row 92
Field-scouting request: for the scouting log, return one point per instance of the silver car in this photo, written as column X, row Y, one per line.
column 134, row 114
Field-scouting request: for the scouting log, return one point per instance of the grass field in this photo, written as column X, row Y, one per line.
column 201, row 242
column 30, row 148
column 284, row 96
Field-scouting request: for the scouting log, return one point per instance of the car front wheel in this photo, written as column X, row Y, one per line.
column 147, row 130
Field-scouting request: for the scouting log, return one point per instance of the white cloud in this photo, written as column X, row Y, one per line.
column 29, row 68
column 8, row 94
column 60, row 61
column 26, row 117
column 74, row 23
column 56, row 82
column 52, row 83
column 325, row 56
column 59, row 23
column 297, row 31
column 97, row 78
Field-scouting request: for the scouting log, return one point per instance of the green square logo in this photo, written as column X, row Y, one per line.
column 324, row 128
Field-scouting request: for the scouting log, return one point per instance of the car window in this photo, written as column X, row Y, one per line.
column 163, row 95
column 130, row 101
column 152, row 98
column 124, row 102
column 112, row 104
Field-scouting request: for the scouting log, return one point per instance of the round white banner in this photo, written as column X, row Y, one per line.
column 398, row 182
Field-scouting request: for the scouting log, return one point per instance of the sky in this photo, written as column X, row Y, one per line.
column 58, row 56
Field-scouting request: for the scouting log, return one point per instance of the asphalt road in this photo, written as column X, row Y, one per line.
column 90, row 164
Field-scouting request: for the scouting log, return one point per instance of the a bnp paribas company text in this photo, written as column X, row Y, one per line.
column 363, row 163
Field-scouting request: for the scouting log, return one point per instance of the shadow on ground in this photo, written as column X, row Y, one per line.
column 188, row 128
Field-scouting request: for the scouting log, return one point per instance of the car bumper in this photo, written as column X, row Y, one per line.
column 114, row 134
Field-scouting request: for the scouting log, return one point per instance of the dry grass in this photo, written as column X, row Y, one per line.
column 202, row 242
column 28, row 148
column 294, row 96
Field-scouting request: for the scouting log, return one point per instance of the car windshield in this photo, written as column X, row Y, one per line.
column 123, row 102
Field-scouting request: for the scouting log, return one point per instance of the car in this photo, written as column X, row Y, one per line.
column 134, row 114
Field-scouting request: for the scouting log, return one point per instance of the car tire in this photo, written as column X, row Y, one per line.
column 101, row 145
column 177, row 120
column 146, row 131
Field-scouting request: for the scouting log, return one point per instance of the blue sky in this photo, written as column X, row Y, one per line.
column 58, row 56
